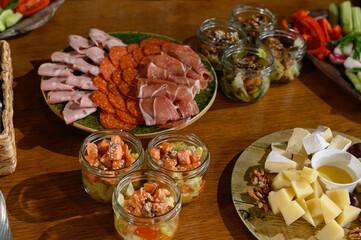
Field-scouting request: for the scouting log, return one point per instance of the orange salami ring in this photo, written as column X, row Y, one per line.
column 127, row 117
column 138, row 54
column 106, row 68
column 100, row 83
column 117, row 76
column 109, row 120
column 101, row 100
column 128, row 90
column 133, row 46
column 127, row 61
column 118, row 101
column 153, row 40
column 112, row 87
column 129, row 75
column 151, row 49
column 115, row 53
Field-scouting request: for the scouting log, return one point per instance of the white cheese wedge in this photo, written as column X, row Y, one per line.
column 272, row 201
column 317, row 190
column 314, row 143
column 302, row 188
column 281, row 149
column 340, row 197
column 292, row 175
column 280, row 181
column 307, row 216
column 329, row 209
column 340, row 142
column 314, row 206
column 276, row 163
column 302, row 160
column 349, row 214
column 324, row 132
column 309, row 174
column 295, row 143
column 332, row 231
column 291, row 212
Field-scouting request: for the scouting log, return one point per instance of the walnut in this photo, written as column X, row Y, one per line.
column 355, row 234
column 261, row 189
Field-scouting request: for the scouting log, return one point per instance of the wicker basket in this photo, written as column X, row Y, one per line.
column 7, row 134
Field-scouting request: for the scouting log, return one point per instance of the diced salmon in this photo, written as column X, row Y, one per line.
column 166, row 147
column 184, row 188
column 103, row 147
column 125, row 149
column 194, row 158
column 195, row 165
column 92, row 150
column 161, row 193
column 115, row 152
column 117, row 139
column 118, row 164
column 170, row 164
column 155, row 153
column 106, row 161
column 150, row 187
column 160, row 208
column 183, row 157
column 129, row 159
column 90, row 159
column 91, row 178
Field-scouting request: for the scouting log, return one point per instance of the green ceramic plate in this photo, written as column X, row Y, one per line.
column 91, row 123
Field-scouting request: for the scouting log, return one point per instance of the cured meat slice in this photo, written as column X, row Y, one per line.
column 64, row 96
column 151, row 49
column 118, row 101
column 158, row 111
column 101, row 100
column 103, row 39
column 54, row 70
column 83, row 82
column 129, row 74
column 101, row 84
column 132, row 47
column 107, row 68
column 133, row 107
column 63, row 57
column 87, row 102
column 173, row 65
column 79, row 43
column 138, row 55
column 127, row 117
column 116, row 53
column 96, row 54
column 153, row 40
column 113, row 88
column 128, row 90
column 187, row 108
column 109, row 120
column 117, row 77
column 149, row 90
column 127, row 61
column 85, row 67
column 72, row 112
column 55, row 84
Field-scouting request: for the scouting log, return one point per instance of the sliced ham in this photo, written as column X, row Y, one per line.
column 54, row 70
column 103, row 39
column 72, row 112
column 55, row 84
column 96, row 54
column 64, row 96
column 63, row 57
column 79, row 43
column 85, row 67
column 158, row 111
column 84, row 81
column 86, row 101
column 187, row 108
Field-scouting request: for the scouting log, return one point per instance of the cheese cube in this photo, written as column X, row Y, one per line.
column 281, row 149
column 309, row 174
column 280, row 181
column 301, row 160
column 317, row 190
column 276, row 163
column 332, row 231
column 329, row 209
column 284, row 196
column 272, row 201
column 292, row 175
column 302, row 188
column 340, row 197
column 295, row 142
column 314, row 143
column 314, row 206
column 324, row 132
column 349, row 214
column 291, row 212
column 340, row 142
column 307, row 216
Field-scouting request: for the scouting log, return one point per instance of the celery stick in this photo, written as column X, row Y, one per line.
column 346, row 17
column 13, row 19
column 354, row 79
column 334, row 14
column 356, row 19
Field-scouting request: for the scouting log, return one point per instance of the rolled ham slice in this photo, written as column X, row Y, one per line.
column 103, row 39
column 84, row 82
column 72, row 112
column 64, row 96
column 158, row 111
column 54, row 70
column 96, row 54
column 86, row 101
column 79, row 43
column 63, row 57
column 55, row 84
column 85, row 67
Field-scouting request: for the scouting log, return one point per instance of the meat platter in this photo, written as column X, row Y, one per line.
column 91, row 123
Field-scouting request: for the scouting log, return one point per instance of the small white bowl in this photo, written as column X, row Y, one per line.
column 341, row 159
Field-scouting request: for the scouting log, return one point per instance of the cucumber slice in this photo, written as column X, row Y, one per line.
column 346, row 17
column 356, row 19
column 334, row 14
column 5, row 14
column 13, row 19
column 354, row 79
column 2, row 27
column 130, row 190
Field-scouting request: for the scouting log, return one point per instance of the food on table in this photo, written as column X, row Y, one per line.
column 354, row 200
column 246, row 72
column 105, row 157
column 261, row 189
column 184, row 156
column 354, row 234
column 355, row 150
column 215, row 35
column 146, row 206
column 335, row 174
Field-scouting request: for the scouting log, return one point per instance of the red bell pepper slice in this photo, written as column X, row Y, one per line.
column 326, row 28
column 284, row 23
column 30, row 7
column 336, row 33
column 297, row 16
column 316, row 33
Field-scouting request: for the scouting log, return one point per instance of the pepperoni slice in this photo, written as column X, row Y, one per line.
column 106, row 68
column 115, row 53
column 138, row 54
column 128, row 90
column 101, row 100
column 117, row 76
column 151, row 49
column 100, row 83
column 112, row 87
column 129, row 75
column 133, row 46
column 126, row 117
column 133, row 107
column 109, row 120
column 127, row 61
column 153, row 40
column 118, row 101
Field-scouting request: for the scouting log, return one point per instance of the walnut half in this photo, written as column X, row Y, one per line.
column 261, row 189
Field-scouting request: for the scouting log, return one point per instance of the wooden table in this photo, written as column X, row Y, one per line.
column 45, row 197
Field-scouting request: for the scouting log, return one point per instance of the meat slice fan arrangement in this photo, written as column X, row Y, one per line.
column 152, row 83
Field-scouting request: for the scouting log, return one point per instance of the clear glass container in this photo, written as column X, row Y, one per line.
column 129, row 226
column 191, row 182
column 253, row 18
column 215, row 35
column 241, row 81
column 100, row 183
column 288, row 48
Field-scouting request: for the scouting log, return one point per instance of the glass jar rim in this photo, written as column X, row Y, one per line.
column 153, row 173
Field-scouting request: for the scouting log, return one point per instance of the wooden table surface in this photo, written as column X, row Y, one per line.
column 45, row 196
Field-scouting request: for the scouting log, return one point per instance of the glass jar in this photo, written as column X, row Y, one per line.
column 191, row 181
column 215, row 35
column 253, row 18
column 246, row 72
column 130, row 226
column 98, row 182
column 288, row 48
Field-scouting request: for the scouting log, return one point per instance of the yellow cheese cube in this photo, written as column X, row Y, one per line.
column 317, row 190
column 314, row 206
column 272, row 201
column 332, row 231
column 329, row 209
column 295, row 143
column 280, row 181
column 340, row 197
column 307, row 216
column 302, row 188
column 349, row 214
column 292, row 175
column 291, row 211
column 309, row 174
column 284, row 196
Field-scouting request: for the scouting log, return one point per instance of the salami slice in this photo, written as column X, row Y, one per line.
column 133, row 46
column 116, row 53
column 127, row 117
column 128, row 90
column 133, row 107
column 138, row 54
column 127, row 61
column 151, row 49
column 101, row 84
column 153, row 40
column 112, row 87
column 129, row 75
column 118, row 101
column 101, row 100
column 109, row 120
column 106, row 68
column 117, row 76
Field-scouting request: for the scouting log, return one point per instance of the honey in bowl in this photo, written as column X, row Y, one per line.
column 335, row 174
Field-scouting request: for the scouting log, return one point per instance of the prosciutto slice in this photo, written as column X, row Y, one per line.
column 96, row 54
column 72, row 112
column 187, row 108
column 55, row 84
column 85, row 67
column 173, row 65
column 84, row 81
column 54, row 70
column 158, row 111
column 104, row 40
column 79, row 43
column 64, row 96
column 63, row 57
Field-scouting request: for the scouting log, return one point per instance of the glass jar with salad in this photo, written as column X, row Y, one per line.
column 215, row 35
column 146, row 206
column 182, row 155
column 105, row 157
column 288, row 48
column 246, row 72
column 253, row 18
